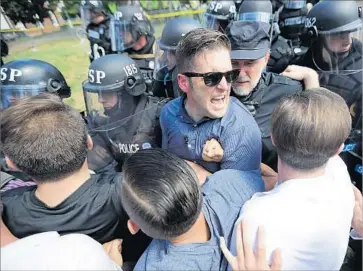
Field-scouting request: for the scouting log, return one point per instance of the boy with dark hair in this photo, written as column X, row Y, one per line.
column 48, row 141
column 161, row 195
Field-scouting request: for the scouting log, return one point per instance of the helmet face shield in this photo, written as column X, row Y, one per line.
column 294, row 4
column 12, row 93
column 256, row 17
column 335, row 55
column 121, row 35
column 164, row 59
column 105, row 108
column 212, row 22
column 340, row 42
column 100, row 102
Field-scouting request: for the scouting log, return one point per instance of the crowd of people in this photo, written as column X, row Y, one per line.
column 204, row 149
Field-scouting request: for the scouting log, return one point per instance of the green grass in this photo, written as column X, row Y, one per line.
column 70, row 57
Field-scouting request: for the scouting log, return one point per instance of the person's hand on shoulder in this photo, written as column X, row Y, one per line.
column 246, row 259
column 300, row 73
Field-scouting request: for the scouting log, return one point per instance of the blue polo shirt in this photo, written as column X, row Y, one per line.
column 236, row 131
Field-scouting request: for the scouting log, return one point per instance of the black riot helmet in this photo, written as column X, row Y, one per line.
column 96, row 6
column 332, row 17
column 174, row 30
column 257, row 11
column 165, row 58
column 113, row 82
column 90, row 10
column 30, row 77
column 172, row 33
column 333, row 30
column 129, row 24
column 219, row 14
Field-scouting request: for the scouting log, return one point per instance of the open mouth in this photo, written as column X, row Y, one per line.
column 219, row 100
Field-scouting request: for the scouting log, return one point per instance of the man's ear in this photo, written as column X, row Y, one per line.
column 340, row 149
column 183, row 83
column 89, row 142
column 11, row 164
column 133, row 228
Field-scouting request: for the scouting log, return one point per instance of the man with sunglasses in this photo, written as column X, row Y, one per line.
column 259, row 91
column 206, row 113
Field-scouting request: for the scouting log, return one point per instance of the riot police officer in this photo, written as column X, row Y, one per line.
column 165, row 83
column 291, row 21
column 219, row 14
column 333, row 29
column 29, row 77
column 98, row 30
column 133, row 33
column 281, row 52
column 121, row 118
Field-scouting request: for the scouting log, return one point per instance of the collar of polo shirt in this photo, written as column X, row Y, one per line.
column 184, row 116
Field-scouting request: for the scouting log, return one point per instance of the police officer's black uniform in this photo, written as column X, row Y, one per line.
column 291, row 20
column 262, row 101
column 165, row 82
column 342, row 74
column 98, row 34
column 29, row 77
column 122, row 119
column 250, row 41
column 131, row 23
column 339, row 72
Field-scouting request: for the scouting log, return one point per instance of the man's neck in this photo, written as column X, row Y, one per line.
column 198, row 233
column 6, row 237
column 286, row 172
column 53, row 193
column 192, row 110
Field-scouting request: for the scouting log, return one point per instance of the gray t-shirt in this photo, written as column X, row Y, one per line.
column 224, row 194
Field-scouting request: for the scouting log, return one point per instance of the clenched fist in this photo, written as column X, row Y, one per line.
column 212, row 151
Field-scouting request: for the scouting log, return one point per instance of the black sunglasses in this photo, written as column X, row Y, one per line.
column 212, row 79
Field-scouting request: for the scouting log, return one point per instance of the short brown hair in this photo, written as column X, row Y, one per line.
column 43, row 137
column 308, row 127
column 196, row 42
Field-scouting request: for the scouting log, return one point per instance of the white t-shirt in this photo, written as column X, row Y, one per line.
column 50, row 251
column 309, row 219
